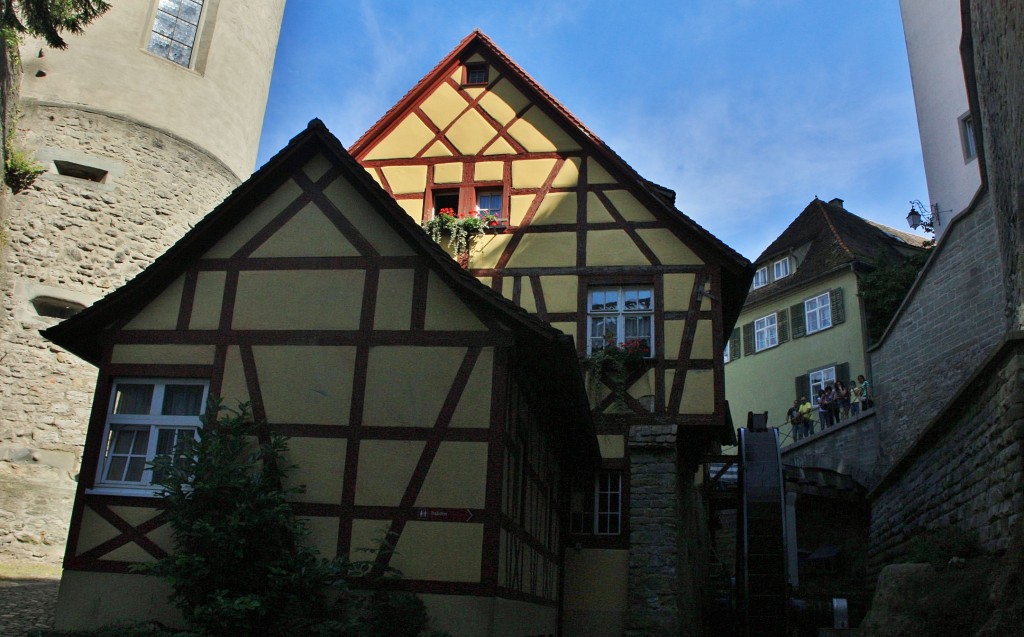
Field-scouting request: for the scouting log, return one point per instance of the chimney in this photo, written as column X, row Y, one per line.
column 837, row 202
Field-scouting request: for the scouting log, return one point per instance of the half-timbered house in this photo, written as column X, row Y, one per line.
column 576, row 237
column 417, row 401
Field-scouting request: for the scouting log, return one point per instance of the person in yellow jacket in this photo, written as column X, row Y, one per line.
column 806, row 409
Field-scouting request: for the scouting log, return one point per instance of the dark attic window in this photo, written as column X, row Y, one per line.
column 476, row 74
column 56, row 308
column 80, row 171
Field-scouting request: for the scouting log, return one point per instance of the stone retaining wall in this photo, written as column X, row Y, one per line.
column 966, row 470
column 851, row 448
column 77, row 240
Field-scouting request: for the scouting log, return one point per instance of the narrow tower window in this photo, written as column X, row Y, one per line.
column 174, row 30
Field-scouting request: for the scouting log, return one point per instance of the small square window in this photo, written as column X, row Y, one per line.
column 596, row 507
column 818, row 313
column 760, row 278
column 476, row 74
column 781, row 268
column 446, row 202
column 618, row 317
column 766, row 332
column 970, row 146
column 488, row 202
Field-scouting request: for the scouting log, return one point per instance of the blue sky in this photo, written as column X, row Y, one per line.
column 748, row 109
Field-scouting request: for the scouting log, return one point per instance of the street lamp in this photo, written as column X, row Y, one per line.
column 918, row 217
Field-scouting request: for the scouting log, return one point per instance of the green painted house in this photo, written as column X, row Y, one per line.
column 803, row 325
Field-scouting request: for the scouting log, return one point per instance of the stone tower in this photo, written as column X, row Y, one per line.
column 143, row 124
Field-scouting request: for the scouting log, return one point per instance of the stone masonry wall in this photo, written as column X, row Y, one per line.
column 77, row 240
column 654, row 526
column 850, row 447
column 966, row 471
column 948, row 325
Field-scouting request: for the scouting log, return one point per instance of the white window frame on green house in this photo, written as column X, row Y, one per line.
column 825, row 376
column 781, row 268
column 136, row 434
column 818, row 313
column 766, row 332
column 617, row 315
column 598, row 510
column 760, row 278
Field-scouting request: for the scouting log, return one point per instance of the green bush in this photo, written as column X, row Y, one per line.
column 20, row 170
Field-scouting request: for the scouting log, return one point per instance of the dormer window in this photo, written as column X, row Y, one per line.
column 476, row 74
column 760, row 278
column 781, row 268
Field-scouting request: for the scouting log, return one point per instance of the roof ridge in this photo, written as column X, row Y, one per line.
column 832, row 227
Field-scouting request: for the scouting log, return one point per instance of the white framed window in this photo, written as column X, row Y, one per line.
column 760, row 278
column 620, row 316
column 766, row 332
column 488, row 202
column 970, row 146
column 725, row 353
column 818, row 313
column 147, row 418
column 781, row 268
column 597, row 510
column 175, row 25
column 819, row 380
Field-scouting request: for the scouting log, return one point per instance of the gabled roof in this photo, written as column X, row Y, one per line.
column 834, row 238
column 548, row 353
column 736, row 270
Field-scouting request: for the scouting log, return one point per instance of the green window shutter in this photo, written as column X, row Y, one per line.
column 838, row 309
column 782, row 319
column 748, row 338
column 797, row 321
column 843, row 374
column 734, row 345
column 803, row 386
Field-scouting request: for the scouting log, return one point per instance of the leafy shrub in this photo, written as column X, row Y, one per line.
column 20, row 170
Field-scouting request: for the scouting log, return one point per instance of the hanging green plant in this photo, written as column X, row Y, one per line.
column 458, row 228
column 613, row 366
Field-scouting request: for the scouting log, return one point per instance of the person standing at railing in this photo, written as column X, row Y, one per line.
column 843, row 400
column 855, row 392
column 806, row 409
column 796, row 419
column 865, row 393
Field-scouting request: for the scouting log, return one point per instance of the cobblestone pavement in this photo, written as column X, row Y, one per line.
column 28, row 595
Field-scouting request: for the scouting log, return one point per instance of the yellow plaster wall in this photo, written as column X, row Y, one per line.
column 209, row 298
column 443, row 104
column 668, row 248
column 612, row 446
column 323, row 535
column 367, row 220
column 94, row 531
column 470, row 132
column 519, row 206
column 89, row 600
column 539, row 134
column 438, row 149
column 594, row 596
column 531, row 173
column 440, row 551
column 567, row 328
column 613, row 247
column 164, row 354
column 643, row 386
column 569, row 175
column 557, row 207
column 448, row 173
column 499, row 147
column 487, row 249
column 162, row 312
column 317, row 167
column 702, row 341
column 319, row 468
column 404, row 141
column 385, row 468
column 255, row 221
column 673, row 338
column 163, row 536
column 234, row 389
column 503, row 101
column 698, row 393
column 596, row 210
column 514, row 618
column 445, row 311
column 130, row 552
column 298, row 300
column 559, row 293
column 308, row 234
column 474, row 408
column 545, row 250
column 408, row 385
column 628, row 206
column 413, row 208
column 457, row 477
column 489, row 171
column 406, row 179
column 306, row 384
column 678, row 290
column 596, row 174
column 394, row 301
